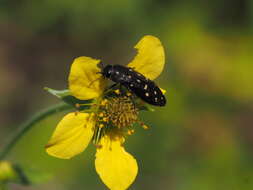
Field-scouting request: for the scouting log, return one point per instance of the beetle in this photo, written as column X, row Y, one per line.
column 134, row 81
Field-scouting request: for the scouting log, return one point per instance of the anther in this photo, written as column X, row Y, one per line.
column 129, row 132
column 129, row 94
column 104, row 102
column 120, row 111
column 98, row 146
column 117, row 91
column 105, row 119
column 145, row 127
column 101, row 125
column 101, row 114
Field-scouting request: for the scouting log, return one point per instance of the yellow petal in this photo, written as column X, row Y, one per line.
column 84, row 80
column 163, row 91
column 150, row 57
column 72, row 135
column 117, row 168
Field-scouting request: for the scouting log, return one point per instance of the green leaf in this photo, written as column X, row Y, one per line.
column 66, row 96
column 58, row 93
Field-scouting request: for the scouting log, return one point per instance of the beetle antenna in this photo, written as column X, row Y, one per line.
column 101, row 65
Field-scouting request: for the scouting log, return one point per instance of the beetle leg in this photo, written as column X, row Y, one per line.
column 110, row 88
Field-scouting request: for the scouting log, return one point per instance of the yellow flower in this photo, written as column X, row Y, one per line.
column 110, row 119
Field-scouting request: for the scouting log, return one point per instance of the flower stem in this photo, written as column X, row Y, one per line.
column 25, row 127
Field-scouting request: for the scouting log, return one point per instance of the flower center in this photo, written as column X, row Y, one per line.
column 118, row 111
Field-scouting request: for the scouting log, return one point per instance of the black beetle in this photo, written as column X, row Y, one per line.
column 141, row 86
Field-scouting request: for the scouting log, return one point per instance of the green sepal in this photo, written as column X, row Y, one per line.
column 66, row 96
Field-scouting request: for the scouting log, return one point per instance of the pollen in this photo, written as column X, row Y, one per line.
column 117, row 91
column 145, row 127
column 101, row 114
column 104, row 102
column 105, row 119
column 130, row 132
column 77, row 105
column 120, row 112
column 129, row 94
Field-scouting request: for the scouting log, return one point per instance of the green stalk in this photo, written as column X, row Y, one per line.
column 25, row 127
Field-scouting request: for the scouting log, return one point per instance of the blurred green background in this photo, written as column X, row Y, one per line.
column 202, row 139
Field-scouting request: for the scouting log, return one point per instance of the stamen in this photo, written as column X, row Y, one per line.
column 101, row 114
column 120, row 112
column 130, row 131
column 117, row 91
column 104, row 102
column 98, row 146
column 145, row 127
column 129, row 94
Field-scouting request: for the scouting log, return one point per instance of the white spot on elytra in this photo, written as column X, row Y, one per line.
column 138, row 81
column 146, row 94
column 129, row 76
column 155, row 92
column 117, row 72
column 155, row 99
column 145, row 87
column 131, row 85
